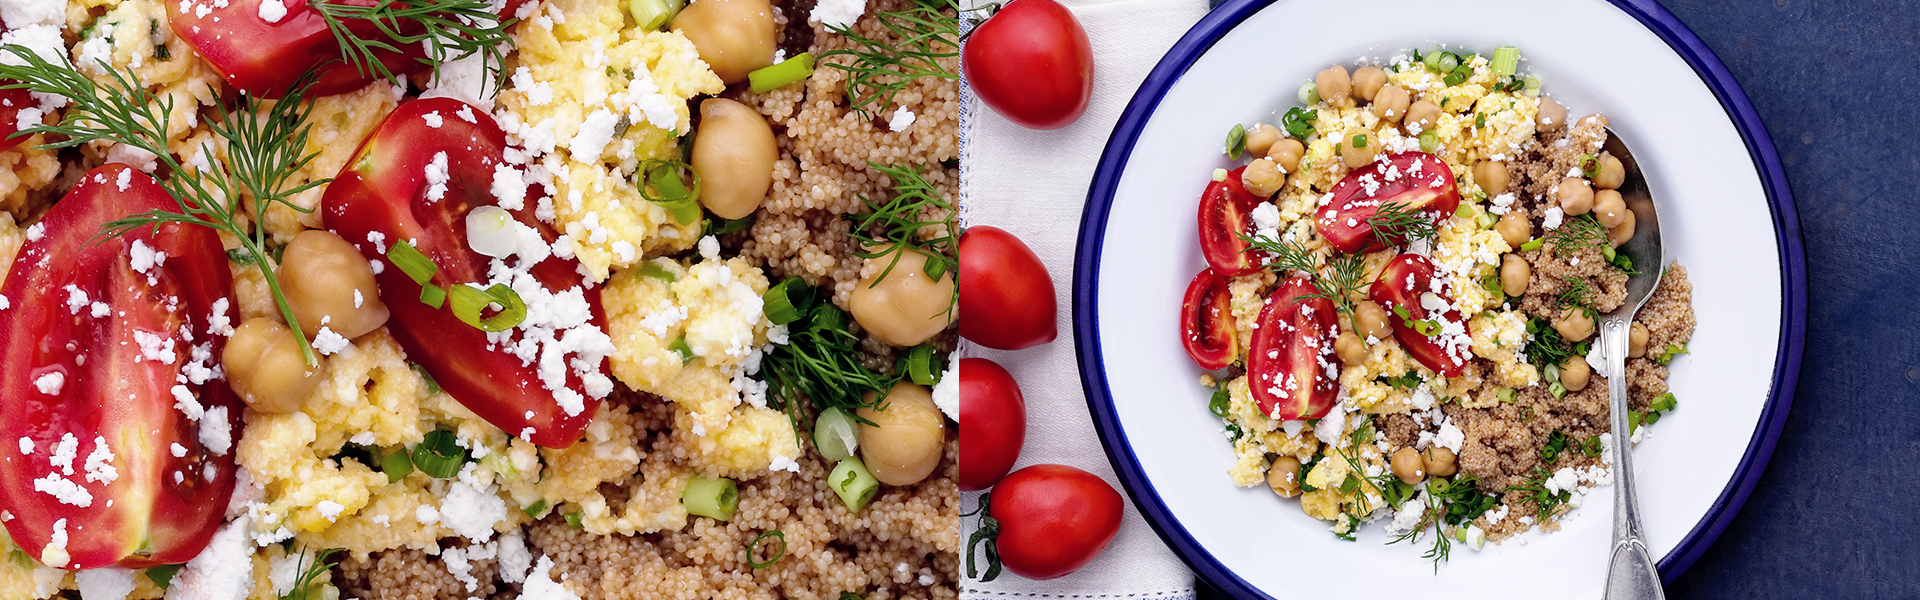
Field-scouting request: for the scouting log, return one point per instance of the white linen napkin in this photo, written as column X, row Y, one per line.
column 1034, row 184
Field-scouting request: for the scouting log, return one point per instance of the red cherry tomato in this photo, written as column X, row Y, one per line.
column 383, row 191
column 1206, row 321
column 1294, row 372
column 1225, row 209
column 11, row 103
column 1053, row 519
column 1031, row 62
column 1006, row 295
column 98, row 347
column 1415, row 180
column 993, row 423
column 1400, row 287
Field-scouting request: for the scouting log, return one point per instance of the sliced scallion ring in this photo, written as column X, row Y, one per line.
column 573, row 520
column 469, row 302
column 433, row 295
column 397, row 465
column 650, row 15
column 1534, row 244
column 835, row 434
column 1236, row 141
column 666, row 183
column 853, row 483
column 535, row 510
column 1506, row 60
column 654, row 270
column 788, row 72
column 788, row 301
column 410, row 261
column 712, row 498
column 679, row 346
column 439, row 455
column 923, row 365
column 778, row 552
column 1429, row 141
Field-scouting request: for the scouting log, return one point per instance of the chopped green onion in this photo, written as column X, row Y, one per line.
column 469, row 302
column 835, row 434
column 788, row 301
column 1607, row 252
column 1349, row 485
column 1426, row 327
column 416, row 265
column 725, row 226
column 1308, row 94
column 1220, row 402
column 650, row 15
column 1219, row 174
column 1429, row 141
column 1533, row 87
column 787, row 72
column 162, row 575
column 397, row 465
column 1633, row 421
column 1236, row 141
column 573, row 520
column 1479, row 120
column 1463, row 210
column 1556, row 443
column 1667, row 354
column 923, row 365
column 1299, row 122
column 778, row 553
column 654, row 270
column 1507, row 395
column 1455, row 78
column 1651, row 418
column 669, row 179
column 1487, row 221
column 533, row 511
column 1506, row 60
column 853, row 483
column 679, row 346
column 439, row 455
column 1592, row 446
column 1533, row 244
column 1665, row 402
column 433, row 295
column 712, row 498
column 1559, row 391
column 1441, row 61
column 1359, row 140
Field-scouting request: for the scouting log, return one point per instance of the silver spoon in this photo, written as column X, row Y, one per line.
column 1631, row 572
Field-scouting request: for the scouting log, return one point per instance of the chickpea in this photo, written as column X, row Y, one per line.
column 1552, row 115
column 1261, row 139
column 1609, row 207
column 1439, row 462
column 1574, row 324
column 1408, row 466
column 1575, row 373
column 734, row 154
column 1492, row 177
column 1608, row 173
column 1391, row 103
column 1514, row 228
column 1335, row 88
column 1284, row 476
column 734, row 37
column 1576, row 197
column 905, row 308
column 329, row 284
column 1637, row 340
column 1515, row 275
column 910, row 436
column 1619, row 234
column 1369, row 147
column 1352, row 351
column 263, row 365
column 1286, row 153
column 1367, row 82
column 1262, row 178
column 1373, row 320
column 1421, row 116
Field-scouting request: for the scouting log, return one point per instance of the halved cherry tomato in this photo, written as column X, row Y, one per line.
column 101, row 343
column 1294, row 374
column 1053, row 519
column 11, row 103
column 1225, row 209
column 1031, row 62
column 1206, row 321
column 1006, row 295
column 1401, row 285
column 993, row 423
column 1415, row 180
column 384, row 191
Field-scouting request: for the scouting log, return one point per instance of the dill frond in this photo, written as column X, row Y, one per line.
column 902, row 224
column 451, row 30
column 1399, row 221
column 879, row 70
column 1583, row 231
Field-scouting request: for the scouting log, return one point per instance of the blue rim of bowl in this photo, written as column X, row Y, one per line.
column 1106, row 180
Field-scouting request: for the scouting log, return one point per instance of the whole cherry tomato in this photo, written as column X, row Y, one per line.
column 1438, row 338
column 993, row 423
column 1291, row 364
column 1416, row 182
column 1031, row 62
column 1226, row 209
column 106, row 361
column 1006, row 295
column 1206, row 321
column 1053, row 519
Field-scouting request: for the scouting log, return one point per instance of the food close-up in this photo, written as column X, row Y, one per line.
column 555, row 299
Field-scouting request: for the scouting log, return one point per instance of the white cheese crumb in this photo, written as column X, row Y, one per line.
column 330, row 509
column 223, row 571
column 433, row 119
column 328, row 343
column 541, row 586
column 50, row 385
column 902, row 119
column 26, row 446
column 472, row 511
column 55, row 554
column 709, row 248
column 426, row 515
column 99, row 465
column 104, row 584
column 272, row 11
column 946, row 394
column 1551, row 219
column 178, row 450
column 838, row 13
column 64, row 490
column 437, row 177
column 215, row 432
column 595, row 132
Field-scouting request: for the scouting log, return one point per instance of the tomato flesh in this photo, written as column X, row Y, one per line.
column 383, row 194
column 1225, row 215
column 1054, row 519
column 1291, row 369
column 993, row 423
column 11, row 103
column 121, row 357
column 1206, row 321
column 1415, row 180
column 1402, row 284
column 1032, row 63
column 1006, row 295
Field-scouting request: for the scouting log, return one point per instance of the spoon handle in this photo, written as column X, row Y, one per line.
column 1631, row 573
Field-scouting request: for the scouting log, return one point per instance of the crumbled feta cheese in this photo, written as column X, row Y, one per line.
column 426, row 515
column 26, row 446
column 223, row 571
column 50, row 385
column 433, row 119
column 64, row 452
column 64, row 490
column 216, row 434
column 541, row 586
column 55, row 554
column 472, row 511
column 272, row 11
column 902, row 119
column 437, row 177
column 104, row 584
column 99, row 465
column 184, row 402
column 330, row 509
column 946, row 394
column 709, row 248
column 178, row 450
column 219, row 323
column 144, row 257
column 838, row 13
column 328, row 343
column 1551, row 219
column 595, row 132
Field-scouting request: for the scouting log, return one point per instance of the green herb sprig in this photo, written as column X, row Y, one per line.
column 451, row 30
column 1345, row 275
column 1400, row 221
column 1535, row 490
column 878, row 71
column 988, row 533
column 265, row 145
column 892, row 227
column 310, row 572
column 820, row 363
column 1583, row 231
